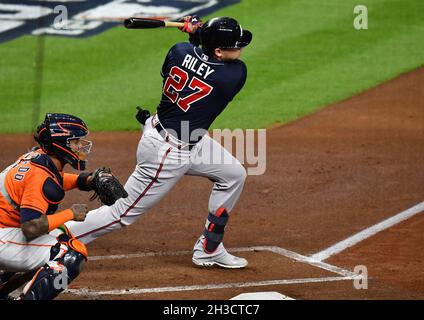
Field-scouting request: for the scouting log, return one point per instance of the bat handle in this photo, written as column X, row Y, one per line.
column 174, row 24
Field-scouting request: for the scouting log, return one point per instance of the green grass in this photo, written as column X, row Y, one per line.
column 305, row 54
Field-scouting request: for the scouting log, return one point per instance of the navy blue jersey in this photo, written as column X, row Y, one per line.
column 196, row 89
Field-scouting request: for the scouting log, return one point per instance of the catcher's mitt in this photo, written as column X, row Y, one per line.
column 106, row 187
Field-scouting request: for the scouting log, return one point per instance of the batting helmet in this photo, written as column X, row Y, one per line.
column 56, row 132
column 224, row 33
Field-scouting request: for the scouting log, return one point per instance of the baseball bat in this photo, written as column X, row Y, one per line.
column 144, row 23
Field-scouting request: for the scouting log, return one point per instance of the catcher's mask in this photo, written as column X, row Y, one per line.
column 224, row 33
column 62, row 136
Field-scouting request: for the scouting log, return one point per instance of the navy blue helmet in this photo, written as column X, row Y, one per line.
column 55, row 134
column 224, row 33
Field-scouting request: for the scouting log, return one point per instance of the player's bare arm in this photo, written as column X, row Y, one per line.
column 37, row 227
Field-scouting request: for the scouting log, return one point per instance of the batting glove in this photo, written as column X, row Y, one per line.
column 191, row 24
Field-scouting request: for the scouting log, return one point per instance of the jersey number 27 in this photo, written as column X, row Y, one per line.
column 177, row 81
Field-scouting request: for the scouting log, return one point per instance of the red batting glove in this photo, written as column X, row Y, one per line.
column 191, row 24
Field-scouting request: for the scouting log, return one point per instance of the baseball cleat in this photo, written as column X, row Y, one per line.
column 219, row 257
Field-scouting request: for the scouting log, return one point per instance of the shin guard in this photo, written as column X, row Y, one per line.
column 54, row 276
column 214, row 229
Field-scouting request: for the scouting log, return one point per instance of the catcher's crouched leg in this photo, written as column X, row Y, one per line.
column 54, row 276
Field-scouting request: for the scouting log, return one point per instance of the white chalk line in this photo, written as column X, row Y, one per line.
column 308, row 260
column 344, row 274
column 139, row 255
column 92, row 293
column 283, row 252
column 364, row 234
column 314, row 260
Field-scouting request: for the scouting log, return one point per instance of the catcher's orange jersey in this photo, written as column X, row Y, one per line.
column 25, row 183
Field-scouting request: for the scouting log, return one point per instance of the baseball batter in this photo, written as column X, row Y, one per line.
column 31, row 190
column 200, row 78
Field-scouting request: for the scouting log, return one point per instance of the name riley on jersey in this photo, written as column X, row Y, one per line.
column 192, row 64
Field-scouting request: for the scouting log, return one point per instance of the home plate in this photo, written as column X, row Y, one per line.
column 268, row 295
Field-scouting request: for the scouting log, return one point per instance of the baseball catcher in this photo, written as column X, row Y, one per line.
column 31, row 190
